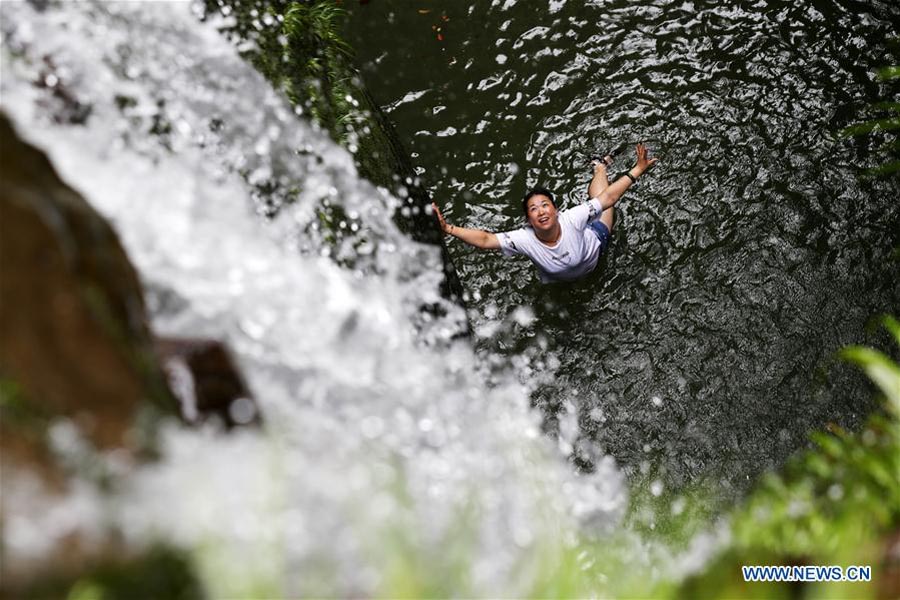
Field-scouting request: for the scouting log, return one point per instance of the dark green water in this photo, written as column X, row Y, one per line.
column 703, row 344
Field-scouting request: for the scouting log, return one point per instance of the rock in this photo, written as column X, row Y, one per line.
column 206, row 381
column 74, row 334
column 76, row 346
column 73, row 329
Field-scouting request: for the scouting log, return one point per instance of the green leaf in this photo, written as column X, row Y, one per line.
column 886, row 124
column 892, row 325
column 891, row 145
column 888, row 72
column 880, row 369
column 895, row 106
column 830, row 445
column 887, row 169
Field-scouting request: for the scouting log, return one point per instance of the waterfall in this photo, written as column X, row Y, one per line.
column 379, row 447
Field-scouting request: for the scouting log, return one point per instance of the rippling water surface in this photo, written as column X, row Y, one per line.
column 703, row 345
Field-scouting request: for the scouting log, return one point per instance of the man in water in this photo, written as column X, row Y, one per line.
column 563, row 245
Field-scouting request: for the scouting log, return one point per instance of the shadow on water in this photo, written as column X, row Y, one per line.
column 704, row 343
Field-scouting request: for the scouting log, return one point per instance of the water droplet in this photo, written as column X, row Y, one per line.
column 371, row 427
column 836, row 492
column 242, row 411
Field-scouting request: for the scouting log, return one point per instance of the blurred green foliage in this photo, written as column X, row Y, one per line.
column 18, row 415
column 298, row 46
column 836, row 504
column 295, row 45
column 885, row 124
column 159, row 573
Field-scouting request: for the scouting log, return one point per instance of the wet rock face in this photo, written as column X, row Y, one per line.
column 73, row 331
column 75, row 344
column 206, row 381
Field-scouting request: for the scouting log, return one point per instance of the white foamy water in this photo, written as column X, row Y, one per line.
column 378, row 452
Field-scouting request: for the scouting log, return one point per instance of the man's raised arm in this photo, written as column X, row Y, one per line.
column 474, row 237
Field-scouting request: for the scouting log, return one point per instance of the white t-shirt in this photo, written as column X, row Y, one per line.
column 573, row 255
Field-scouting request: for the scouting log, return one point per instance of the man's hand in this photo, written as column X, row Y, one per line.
column 643, row 163
column 441, row 221
column 474, row 237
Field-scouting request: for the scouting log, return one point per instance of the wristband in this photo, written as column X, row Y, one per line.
column 630, row 176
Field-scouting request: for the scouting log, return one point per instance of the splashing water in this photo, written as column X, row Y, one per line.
column 376, row 448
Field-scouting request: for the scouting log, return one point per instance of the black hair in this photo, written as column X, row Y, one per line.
column 536, row 191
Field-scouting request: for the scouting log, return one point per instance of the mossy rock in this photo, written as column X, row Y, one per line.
column 74, row 335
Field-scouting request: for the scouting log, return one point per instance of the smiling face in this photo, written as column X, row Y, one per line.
column 541, row 213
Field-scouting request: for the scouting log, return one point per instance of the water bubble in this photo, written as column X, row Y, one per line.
column 523, row 315
column 371, row 427
column 836, row 492
column 242, row 411
column 263, row 146
column 490, row 311
column 656, row 400
column 522, row 536
column 501, row 59
column 656, row 488
column 797, row 508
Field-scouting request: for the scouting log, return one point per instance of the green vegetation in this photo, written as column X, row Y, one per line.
column 837, row 504
column 158, row 573
column 298, row 47
column 884, row 126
